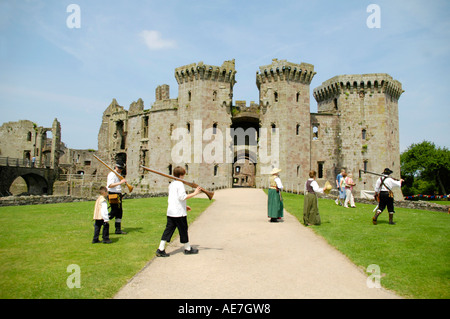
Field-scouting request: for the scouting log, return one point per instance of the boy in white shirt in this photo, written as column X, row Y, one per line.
column 177, row 215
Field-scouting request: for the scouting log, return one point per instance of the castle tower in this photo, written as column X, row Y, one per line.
column 284, row 90
column 367, row 127
column 205, row 95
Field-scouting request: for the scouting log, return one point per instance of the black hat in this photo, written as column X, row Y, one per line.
column 387, row 171
column 120, row 165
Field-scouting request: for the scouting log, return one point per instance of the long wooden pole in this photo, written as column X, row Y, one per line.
column 193, row 185
column 130, row 188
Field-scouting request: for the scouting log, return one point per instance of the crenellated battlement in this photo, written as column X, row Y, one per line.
column 200, row 71
column 281, row 70
column 358, row 83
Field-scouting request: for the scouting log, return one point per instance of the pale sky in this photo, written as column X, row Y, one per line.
column 125, row 49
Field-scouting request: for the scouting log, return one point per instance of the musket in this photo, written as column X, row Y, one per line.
column 193, row 185
column 361, row 170
column 130, row 188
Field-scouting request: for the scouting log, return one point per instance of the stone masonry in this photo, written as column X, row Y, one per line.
column 356, row 127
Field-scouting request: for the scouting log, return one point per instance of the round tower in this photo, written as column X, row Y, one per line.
column 367, row 130
column 284, row 90
column 205, row 95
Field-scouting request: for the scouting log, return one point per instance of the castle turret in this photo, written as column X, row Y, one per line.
column 284, row 90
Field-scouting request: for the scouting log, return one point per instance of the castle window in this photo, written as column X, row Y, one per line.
column 188, row 126
column 320, row 169
column 145, row 127
column 214, row 95
column 298, row 96
column 297, row 129
column 216, row 170
column 214, row 128
column 189, row 96
column 170, row 169
column 315, row 131
column 275, row 95
column 274, row 127
column 364, row 134
column 365, row 165
column 298, row 170
column 29, row 137
column 186, row 168
column 335, row 104
column 238, row 169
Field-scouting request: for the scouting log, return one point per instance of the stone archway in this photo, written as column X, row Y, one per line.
column 36, row 184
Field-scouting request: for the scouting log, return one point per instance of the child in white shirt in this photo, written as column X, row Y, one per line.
column 177, row 215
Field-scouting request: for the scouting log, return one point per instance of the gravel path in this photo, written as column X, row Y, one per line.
column 242, row 255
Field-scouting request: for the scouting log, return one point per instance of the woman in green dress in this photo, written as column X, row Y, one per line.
column 275, row 201
column 310, row 205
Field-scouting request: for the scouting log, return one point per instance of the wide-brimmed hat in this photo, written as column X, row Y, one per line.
column 275, row 171
column 120, row 165
column 327, row 188
column 387, row 171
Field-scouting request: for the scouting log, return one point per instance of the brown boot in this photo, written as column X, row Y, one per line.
column 391, row 219
column 375, row 217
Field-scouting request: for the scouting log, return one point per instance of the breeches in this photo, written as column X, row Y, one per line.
column 179, row 223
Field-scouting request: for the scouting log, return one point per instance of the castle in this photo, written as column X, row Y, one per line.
column 356, row 127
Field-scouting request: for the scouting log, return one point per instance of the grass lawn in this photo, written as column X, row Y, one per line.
column 38, row 243
column 413, row 255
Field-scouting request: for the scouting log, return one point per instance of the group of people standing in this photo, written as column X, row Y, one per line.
column 344, row 183
column 111, row 194
column 176, row 210
column 310, row 206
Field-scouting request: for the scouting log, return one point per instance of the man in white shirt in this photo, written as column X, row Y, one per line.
column 383, row 187
column 177, row 215
column 114, row 185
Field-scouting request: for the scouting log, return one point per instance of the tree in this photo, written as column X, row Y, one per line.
column 425, row 169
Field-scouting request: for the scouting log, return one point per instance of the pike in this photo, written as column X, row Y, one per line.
column 193, row 185
column 130, row 188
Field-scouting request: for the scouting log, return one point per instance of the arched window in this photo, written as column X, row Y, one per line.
column 214, row 95
column 363, row 133
column 214, row 128
column 297, row 129
column 275, row 96
column 298, row 96
column 189, row 96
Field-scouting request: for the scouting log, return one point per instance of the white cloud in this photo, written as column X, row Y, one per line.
column 154, row 41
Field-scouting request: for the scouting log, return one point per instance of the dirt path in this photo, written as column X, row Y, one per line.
column 242, row 255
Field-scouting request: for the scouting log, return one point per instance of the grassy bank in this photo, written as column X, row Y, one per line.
column 413, row 255
column 38, row 243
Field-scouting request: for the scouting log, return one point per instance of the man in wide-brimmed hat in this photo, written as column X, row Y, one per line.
column 383, row 187
column 275, row 202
